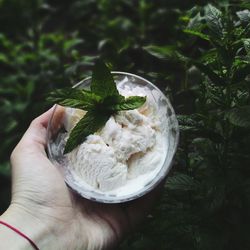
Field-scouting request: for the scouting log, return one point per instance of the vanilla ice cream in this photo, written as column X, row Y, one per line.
column 125, row 155
column 130, row 144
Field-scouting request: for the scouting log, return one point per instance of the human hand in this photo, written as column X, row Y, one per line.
column 46, row 210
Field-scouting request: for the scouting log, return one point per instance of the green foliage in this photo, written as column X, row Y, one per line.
column 28, row 70
column 205, row 204
column 240, row 117
column 181, row 182
column 102, row 82
column 197, row 33
column 197, row 53
column 161, row 52
column 131, row 102
column 74, row 98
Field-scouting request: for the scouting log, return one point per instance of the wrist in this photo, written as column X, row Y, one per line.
column 27, row 224
column 10, row 238
column 46, row 233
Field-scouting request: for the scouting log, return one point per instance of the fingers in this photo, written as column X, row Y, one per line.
column 36, row 133
column 138, row 209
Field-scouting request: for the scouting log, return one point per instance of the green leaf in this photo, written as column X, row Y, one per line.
column 110, row 101
column 217, row 199
column 102, row 83
column 241, row 73
column 5, row 169
column 187, row 121
column 244, row 16
column 88, row 125
column 74, row 98
column 216, row 79
column 3, row 58
column 101, row 102
column 181, row 182
column 223, row 52
column 240, row 117
column 161, row 52
column 69, row 44
column 209, row 56
column 197, row 33
column 213, row 19
column 245, row 4
column 132, row 102
column 194, row 126
column 196, row 23
column 246, row 43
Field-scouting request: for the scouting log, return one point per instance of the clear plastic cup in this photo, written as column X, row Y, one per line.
column 170, row 136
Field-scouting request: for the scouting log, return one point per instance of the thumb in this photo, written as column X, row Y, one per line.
column 34, row 139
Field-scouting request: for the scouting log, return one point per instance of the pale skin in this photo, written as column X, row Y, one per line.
column 48, row 212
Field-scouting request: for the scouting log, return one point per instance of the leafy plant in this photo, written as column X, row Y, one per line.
column 197, row 53
column 206, row 201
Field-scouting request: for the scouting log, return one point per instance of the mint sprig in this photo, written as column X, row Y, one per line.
column 102, row 101
column 74, row 98
column 102, row 82
column 89, row 124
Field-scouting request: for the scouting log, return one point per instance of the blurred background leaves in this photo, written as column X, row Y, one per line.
column 196, row 52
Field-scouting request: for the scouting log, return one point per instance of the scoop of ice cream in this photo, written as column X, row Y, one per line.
column 149, row 159
column 128, row 133
column 129, row 145
column 95, row 163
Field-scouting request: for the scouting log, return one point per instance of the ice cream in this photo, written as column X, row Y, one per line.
column 125, row 156
column 131, row 144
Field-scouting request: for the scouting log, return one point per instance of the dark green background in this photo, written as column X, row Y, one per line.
column 49, row 44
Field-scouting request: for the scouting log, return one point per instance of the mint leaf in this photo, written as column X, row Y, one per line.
column 89, row 124
column 132, row 102
column 244, row 16
column 101, row 102
column 161, row 52
column 102, row 82
column 240, row 117
column 241, row 73
column 214, row 77
column 74, row 98
column 246, row 43
column 95, row 120
column 110, row 101
column 213, row 17
column 197, row 33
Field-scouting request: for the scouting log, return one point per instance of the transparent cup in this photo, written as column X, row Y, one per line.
column 170, row 137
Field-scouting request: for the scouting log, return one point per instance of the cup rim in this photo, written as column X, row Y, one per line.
column 138, row 193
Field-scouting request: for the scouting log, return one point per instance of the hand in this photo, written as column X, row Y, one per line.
column 44, row 208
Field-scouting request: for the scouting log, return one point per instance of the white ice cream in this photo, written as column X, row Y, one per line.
column 125, row 154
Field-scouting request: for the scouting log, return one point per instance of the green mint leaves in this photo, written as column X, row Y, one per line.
column 89, row 124
column 132, row 102
column 102, row 101
column 74, row 98
column 102, row 82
